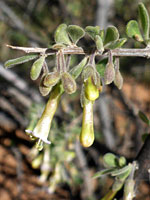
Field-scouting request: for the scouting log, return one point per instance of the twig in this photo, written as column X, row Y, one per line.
column 143, row 160
column 145, row 52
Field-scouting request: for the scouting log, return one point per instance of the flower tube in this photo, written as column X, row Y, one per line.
column 42, row 127
column 87, row 131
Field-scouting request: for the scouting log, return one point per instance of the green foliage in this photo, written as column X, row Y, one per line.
column 20, row 60
column 110, row 160
column 144, row 20
column 133, row 30
column 76, row 70
column 75, row 32
column 61, row 35
column 116, row 44
column 139, row 31
column 37, row 67
column 111, row 35
column 99, row 43
column 115, row 167
column 63, row 79
column 92, row 31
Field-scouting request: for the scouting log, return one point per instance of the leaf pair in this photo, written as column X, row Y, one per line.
column 109, row 40
column 63, row 33
column 133, row 27
column 115, row 167
column 111, row 160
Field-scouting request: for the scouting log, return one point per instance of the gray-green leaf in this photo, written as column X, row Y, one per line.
column 122, row 170
column 99, row 43
column 61, row 35
column 112, row 34
column 100, row 67
column 75, row 32
column 36, row 68
column 144, row 20
column 133, row 31
column 110, row 160
column 92, row 31
column 116, row 44
column 76, row 71
column 103, row 172
column 20, row 60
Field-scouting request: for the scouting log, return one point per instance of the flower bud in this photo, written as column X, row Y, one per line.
column 51, row 79
column 87, row 131
column 69, row 83
column 37, row 67
column 109, row 74
column 91, row 91
column 118, row 81
column 37, row 161
column 44, row 90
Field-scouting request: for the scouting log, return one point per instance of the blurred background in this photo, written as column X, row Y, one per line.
column 118, row 128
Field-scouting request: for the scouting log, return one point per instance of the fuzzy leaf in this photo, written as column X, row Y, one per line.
column 75, row 32
column 100, row 67
column 116, row 44
column 36, row 68
column 122, row 161
column 124, row 175
column 102, row 34
column 144, row 20
column 20, row 60
column 144, row 118
column 92, row 31
column 121, row 171
column 110, row 160
column 133, row 31
column 99, row 43
column 112, row 34
column 103, row 172
column 61, row 35
column 76, row 71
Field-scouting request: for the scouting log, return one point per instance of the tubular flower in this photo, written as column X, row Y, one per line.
column 43, row 126
column 87, row 131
